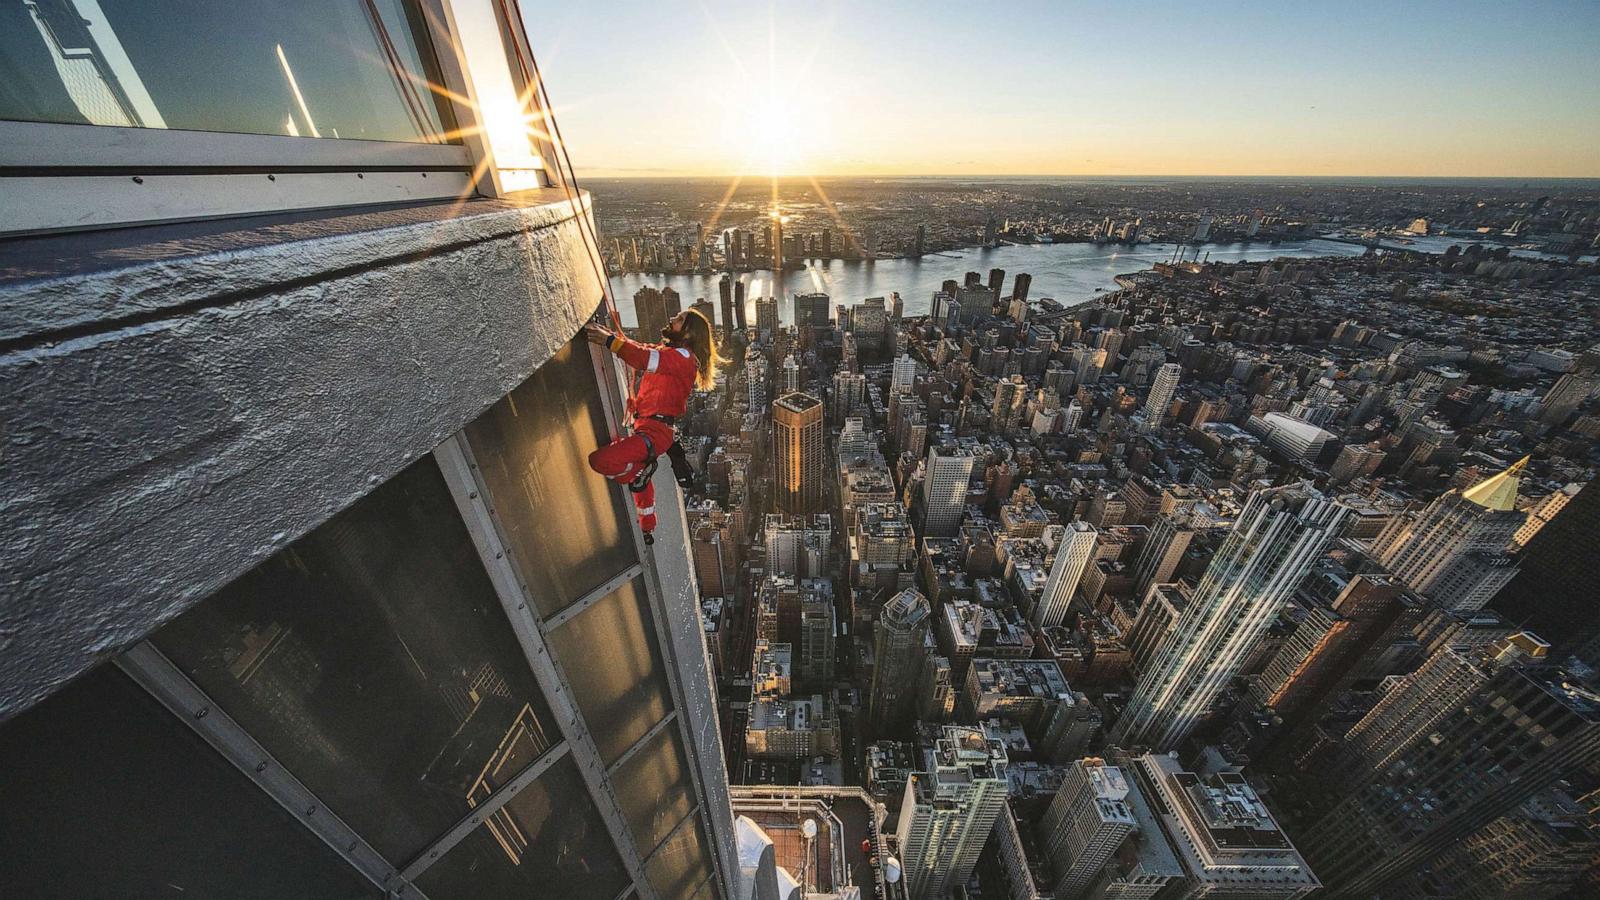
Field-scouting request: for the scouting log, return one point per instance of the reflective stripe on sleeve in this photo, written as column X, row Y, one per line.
column 655, row 361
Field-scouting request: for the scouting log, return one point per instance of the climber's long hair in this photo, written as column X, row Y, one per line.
column 701, row 339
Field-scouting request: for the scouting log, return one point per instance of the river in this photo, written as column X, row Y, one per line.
column 1069, row 273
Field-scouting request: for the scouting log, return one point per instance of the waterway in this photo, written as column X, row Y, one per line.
column 1069, row 273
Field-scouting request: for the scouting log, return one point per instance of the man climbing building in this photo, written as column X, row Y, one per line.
column 668, row 373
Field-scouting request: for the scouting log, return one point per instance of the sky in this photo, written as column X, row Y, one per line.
column 872, row 87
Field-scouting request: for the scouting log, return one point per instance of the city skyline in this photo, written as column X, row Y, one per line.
column 833, row 90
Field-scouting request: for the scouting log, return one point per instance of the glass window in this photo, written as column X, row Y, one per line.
column 654, row 789
column 354, row 69
column 609, row 655
column 373, row 659
column 681, row 866
column 548, row 841
column 105, row 793
column 567, row 526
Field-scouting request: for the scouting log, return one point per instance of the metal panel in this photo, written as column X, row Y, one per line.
column 484, row 810
column 671, row 530
column 156, row 674
column 455, row 461
column 38, row 203
column 36, row 145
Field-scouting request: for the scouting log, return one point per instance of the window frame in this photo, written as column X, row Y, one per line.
column 58, row 177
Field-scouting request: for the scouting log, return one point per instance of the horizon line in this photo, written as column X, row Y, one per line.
column 621, row 175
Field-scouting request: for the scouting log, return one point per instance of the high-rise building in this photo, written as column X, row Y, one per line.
column 1085, row 824
column 797, row 449
column 1009, row 394
column 1226, row 840
column 1453, row 553
column 725, row 295
column 815, row 665
column 1435, row 690
column 949, row 810
column 1517, row 730
column 1074, row 545
column 327, row 619
column 903, row 375
column 1540, row 849
column 789, row 381
column 1162, row 390
column 1325, row 643
column 1354, row 461
column 650, row 309
column 767, row 315
column 739, row 314
column 1271, row 547
column 1164, row 547
column 1020, row 285
column 799, row 546
column 944, row 490
column 813, row 310
column 1552, row 594
column 898, row 640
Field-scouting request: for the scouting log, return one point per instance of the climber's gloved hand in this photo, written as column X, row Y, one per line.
column 597, row 334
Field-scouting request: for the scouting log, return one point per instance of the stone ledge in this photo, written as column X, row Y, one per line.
column 175, row 419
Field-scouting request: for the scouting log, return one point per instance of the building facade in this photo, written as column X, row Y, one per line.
column 797, row 449
column 326, row 567
column 1271, row 547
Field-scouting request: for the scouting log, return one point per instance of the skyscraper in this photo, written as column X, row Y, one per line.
column 949, row 810
column 650, row 310
column 1007, row 410
column 1271, row 547
column 1225, row 839
column 902, row 629
column 767, row 315
column 813, row 310
column 1164, row 546
column 1454, row 552
column 1162, row 390
column 797, row 447
column 725, row 295
column 1020, row 285
column 739, row 315
column 1074, row 544
column 1553, row 593
column 1435, row 690
column 1085, row 824
column 944, row 490
column 903, row 375
column 1516, row 731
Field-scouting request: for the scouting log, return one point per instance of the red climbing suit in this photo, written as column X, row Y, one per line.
column 666, row 380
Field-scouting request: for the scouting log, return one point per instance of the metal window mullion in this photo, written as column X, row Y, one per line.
column 460, row 471
column 595, row 596
column 643, row 740
column 613, row 389
column 153, row 671
column 685, row 727
column 470, row 822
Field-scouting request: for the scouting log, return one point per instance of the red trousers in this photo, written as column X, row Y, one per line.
column 622, row 459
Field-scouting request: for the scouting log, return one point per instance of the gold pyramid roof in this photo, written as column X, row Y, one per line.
column 1499, row 492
